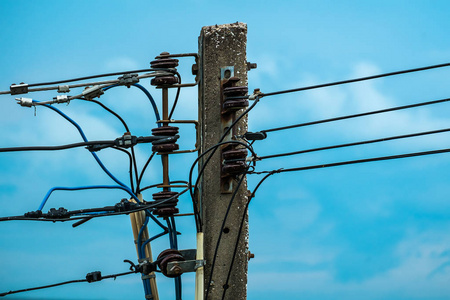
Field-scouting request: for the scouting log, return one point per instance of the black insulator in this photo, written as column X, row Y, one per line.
column 164, row 207
column 165, row 147
column 235, row 154
column 164, row 80
column 165, row 130
column 235, row 104
column 234, row 91
column 169, row 255
column 235, row 168
column 164, row 63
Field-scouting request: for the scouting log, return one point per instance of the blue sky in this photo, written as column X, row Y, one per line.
column 372, row 231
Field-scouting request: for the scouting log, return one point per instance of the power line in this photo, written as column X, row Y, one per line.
column 357, row 115
column 90, row 277
column 354, row 80
column 356, row 143
column 358, row 161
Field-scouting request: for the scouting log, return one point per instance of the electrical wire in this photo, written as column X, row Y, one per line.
column 127, row 129
column 146, row 207
column 176, row 97
column 83, row 136
column 358, row 161
column 147, row 93
column 356, row 143
column 191, row 171
column 354, row 80
column 236, row 245
column 357, row 115
column 174, row 245
column 96, row 76
column 80, row 188
column 139, row 180
column 130, row 168
column 66, row 282
column 170, row 182
column 109, row 143
column 216, row 249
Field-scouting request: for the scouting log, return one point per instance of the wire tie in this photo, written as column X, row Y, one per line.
column 149, row 276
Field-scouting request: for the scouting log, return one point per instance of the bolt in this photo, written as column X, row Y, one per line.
column 251, row 66
column 250, row 255
column 164, row 53
column 176, row 269
column 194, row 69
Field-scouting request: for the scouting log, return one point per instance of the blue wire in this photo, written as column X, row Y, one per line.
column 99, row 161
column 60, row 188
column 83, row 136
column 174, row 245
column 147, row 93
column 146, row 282
column 153, row 238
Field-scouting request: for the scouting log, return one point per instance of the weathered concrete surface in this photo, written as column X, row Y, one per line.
column 220, row 46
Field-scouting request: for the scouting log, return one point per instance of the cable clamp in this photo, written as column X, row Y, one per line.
column 128, row 79
column 26, row 102
column 17, row 89
column 256, row 94
column 92, row 92
column 149, row 276
column 63, row 89
column 61, row 99
column 94, row 276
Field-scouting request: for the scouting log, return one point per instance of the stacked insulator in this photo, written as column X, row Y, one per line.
column 169, row 255
column 233, row 95
column 164, row 63
column 164, row 207
column 234, row 161
column 165, row 145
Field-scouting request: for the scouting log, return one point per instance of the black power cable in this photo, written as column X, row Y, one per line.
column 91, row 145
column 145, row 206
column 97, row 76
column 236, row 245
column 213, row 263
column 138, row 184
column 176, row 97
column 357, row 115
column 213, row 149
column 356, row 143
column 269, row 173
column 90, row 277
column 358, row 161
column 191, row 171
column 355, row 80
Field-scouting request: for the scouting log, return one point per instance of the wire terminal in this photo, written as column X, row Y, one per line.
column 26, row 102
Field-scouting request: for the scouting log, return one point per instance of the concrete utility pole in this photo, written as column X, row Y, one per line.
column 222, row 50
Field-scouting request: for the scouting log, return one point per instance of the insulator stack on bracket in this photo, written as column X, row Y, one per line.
column 233, row 99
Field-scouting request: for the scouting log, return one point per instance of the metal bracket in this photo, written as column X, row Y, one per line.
column 191, row 264
column 187, row 266
column 178, row 85
column 197, row 142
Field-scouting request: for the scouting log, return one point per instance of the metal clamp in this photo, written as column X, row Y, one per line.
column 197, row 142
